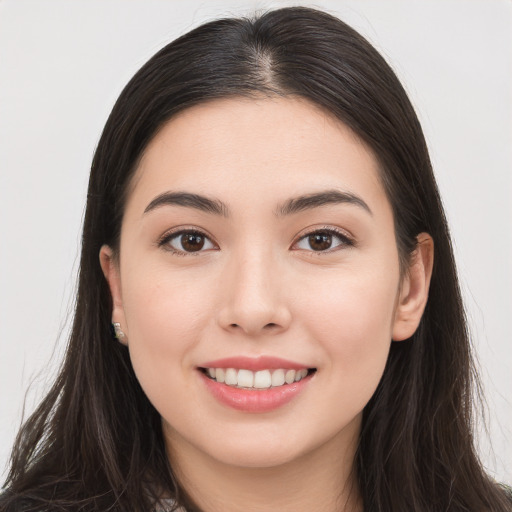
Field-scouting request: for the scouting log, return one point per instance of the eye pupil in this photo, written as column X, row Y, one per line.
column 192, row 242
column 320, row 241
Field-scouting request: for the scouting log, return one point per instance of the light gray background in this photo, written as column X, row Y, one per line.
column 62, row 65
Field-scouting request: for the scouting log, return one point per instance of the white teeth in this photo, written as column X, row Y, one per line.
column 262, row 379
column 290, row 376
column 278, row 378
column 231, row 377
column 245, row 379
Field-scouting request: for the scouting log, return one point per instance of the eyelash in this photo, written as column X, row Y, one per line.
column 167, row 237
column 346, row 241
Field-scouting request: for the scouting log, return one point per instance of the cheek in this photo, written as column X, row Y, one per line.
column 352, row 323
column 165, row 316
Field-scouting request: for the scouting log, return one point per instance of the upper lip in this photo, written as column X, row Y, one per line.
column 254, row 363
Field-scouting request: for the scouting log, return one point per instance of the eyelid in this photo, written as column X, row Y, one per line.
column 347, row 240
column 182, row 230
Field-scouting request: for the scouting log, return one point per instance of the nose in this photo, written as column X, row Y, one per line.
column 253, row 297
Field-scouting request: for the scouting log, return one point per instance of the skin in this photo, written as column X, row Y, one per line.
column 258, row 288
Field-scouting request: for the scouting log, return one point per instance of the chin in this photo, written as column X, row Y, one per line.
column 256, row 455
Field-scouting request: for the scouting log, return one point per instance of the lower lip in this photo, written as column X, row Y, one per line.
column 254, row 400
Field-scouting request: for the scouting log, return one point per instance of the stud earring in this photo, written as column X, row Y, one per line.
column 118, row 332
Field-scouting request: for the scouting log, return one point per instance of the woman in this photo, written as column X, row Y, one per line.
column 265, row 239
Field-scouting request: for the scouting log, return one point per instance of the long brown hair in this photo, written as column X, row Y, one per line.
column 95, row 442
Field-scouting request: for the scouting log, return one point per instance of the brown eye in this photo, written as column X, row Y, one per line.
column 324, row 240
column 192, row 242
column 187, row 242
column 320, row 241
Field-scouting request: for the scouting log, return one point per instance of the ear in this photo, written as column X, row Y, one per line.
column 110, row 267
column 414, row 289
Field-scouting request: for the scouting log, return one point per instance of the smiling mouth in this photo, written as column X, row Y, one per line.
column 259, row 380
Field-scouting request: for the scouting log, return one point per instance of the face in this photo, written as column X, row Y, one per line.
column 257, row 236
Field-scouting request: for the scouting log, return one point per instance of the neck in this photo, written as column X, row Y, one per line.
column 323, row 480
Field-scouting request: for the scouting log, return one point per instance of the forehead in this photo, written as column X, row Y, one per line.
column 269, row 147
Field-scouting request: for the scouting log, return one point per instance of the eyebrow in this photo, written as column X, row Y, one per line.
column 289, row 207
column 189, row 200
column 317, row 199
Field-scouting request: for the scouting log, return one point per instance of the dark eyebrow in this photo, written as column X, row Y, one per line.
column 327, row 197
column 189, row 200
column 294, row 205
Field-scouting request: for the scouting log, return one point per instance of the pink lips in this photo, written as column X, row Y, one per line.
column 254, row 400
column 254, row 363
